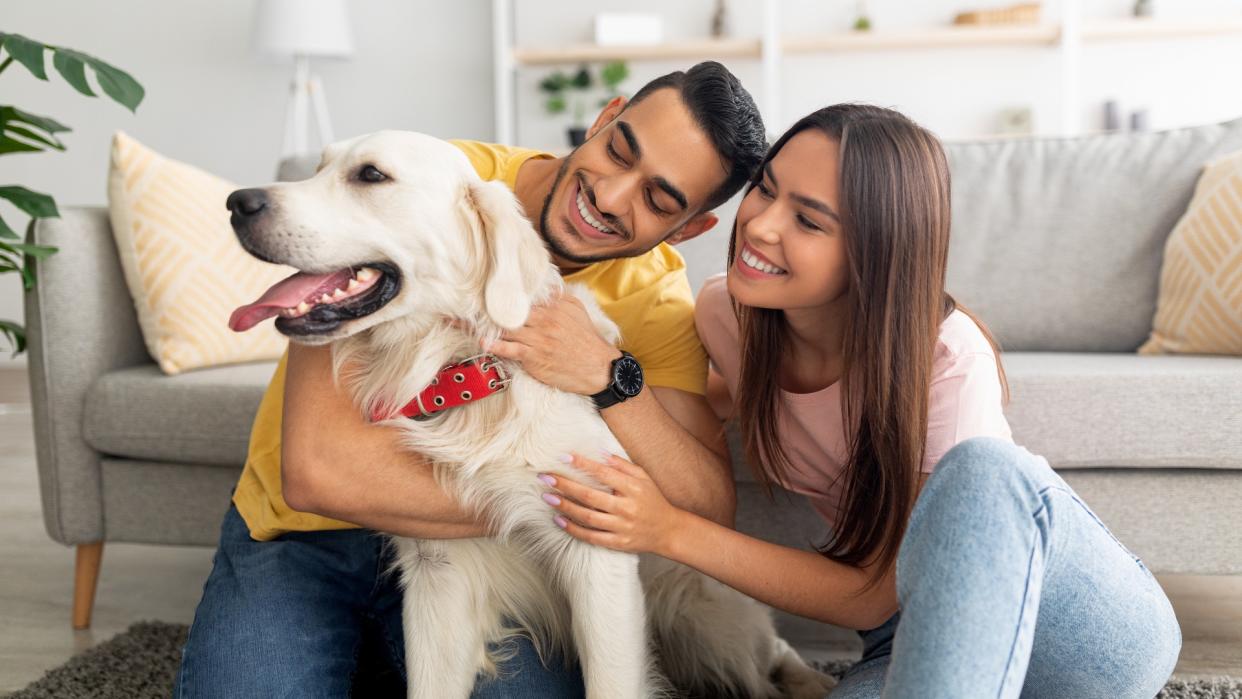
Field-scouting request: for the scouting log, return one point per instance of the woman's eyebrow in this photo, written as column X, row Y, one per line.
column 805, row 200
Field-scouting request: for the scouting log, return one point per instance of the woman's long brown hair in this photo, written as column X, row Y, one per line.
column 894, row 206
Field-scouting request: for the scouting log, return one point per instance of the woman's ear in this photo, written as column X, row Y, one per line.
column 516, row 260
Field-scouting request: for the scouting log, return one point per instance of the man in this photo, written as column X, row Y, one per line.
column 300, row 573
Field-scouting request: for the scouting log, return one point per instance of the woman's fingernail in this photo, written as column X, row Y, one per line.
column 560, row 521
column 605, row 456
column 547, row 479
column 551, row 499
column 565, row 458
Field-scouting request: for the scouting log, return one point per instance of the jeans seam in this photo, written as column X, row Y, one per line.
column 1095, row 518
column 1026, row 592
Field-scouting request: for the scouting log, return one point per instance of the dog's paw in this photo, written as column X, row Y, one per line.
column 807, row 684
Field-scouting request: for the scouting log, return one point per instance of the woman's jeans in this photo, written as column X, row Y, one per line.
column 286, row 618
column 1009, row 586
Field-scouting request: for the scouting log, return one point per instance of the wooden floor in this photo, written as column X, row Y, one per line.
column 164, row 582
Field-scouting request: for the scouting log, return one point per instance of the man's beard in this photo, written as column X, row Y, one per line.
column 552, row 243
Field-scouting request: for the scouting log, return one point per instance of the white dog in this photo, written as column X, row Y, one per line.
column 408, row 261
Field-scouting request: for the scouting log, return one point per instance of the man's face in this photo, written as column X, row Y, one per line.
column 641, row 177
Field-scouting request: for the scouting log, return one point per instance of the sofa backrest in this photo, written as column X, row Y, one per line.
column 1057, row 242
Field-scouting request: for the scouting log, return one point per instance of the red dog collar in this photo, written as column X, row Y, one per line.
column 457, row 384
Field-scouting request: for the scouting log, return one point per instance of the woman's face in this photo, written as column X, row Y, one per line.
column 789, row 250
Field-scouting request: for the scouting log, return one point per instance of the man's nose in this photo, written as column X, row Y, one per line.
column 246, row 203
column 613, row 194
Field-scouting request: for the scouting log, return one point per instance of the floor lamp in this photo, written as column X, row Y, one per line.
column 302, row 29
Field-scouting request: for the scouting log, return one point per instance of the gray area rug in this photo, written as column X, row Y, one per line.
column 141, row 663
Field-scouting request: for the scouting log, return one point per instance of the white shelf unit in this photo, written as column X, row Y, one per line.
column 1066, row 36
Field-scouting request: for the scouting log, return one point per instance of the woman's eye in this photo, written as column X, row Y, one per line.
column 369, row 173
column 808, row 223
column 763, row 190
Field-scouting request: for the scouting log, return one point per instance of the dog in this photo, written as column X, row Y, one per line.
column 409, row 263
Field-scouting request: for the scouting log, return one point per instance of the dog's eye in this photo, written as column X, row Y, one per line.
column 368, row 173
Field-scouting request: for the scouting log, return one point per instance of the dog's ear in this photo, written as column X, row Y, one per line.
column 517, row 262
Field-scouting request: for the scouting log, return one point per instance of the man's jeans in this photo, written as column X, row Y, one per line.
column 285, row 618
column 1009, row 586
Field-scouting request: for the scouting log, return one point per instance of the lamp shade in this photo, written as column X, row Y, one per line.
column 303, row 28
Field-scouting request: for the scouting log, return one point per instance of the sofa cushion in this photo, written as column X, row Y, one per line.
column 1094, row 410
column 197, row 417
column 184, row 267
column 1200, row 305
column 1057, row 242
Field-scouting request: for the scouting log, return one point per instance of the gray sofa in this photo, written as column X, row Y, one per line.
column 1056, row 245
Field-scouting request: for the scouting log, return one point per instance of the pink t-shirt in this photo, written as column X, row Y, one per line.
column 965, row 399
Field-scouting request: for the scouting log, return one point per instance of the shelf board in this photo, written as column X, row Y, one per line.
column 592, row 53
column 1137, row 28
column 1007, row 35
column 881, row 40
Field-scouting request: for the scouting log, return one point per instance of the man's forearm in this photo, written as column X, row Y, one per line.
column 409, row 503
column 690, row 475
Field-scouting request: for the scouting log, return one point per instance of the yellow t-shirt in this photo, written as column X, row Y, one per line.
column 648, row 296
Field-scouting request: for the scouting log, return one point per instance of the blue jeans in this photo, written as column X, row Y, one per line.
column 1009, row 586
column 286, row 618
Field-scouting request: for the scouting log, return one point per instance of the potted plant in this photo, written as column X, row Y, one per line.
column 611, row 75
column 562, row 89
column 23, row 132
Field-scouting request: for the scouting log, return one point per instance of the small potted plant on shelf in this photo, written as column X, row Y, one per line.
column 23, row 132
column 564, row 89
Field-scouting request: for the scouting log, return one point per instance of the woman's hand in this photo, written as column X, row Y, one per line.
column 635, row 517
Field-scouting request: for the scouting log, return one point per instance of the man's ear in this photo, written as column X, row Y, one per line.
column 517, row 262
column 610, row 111
column 695, row 227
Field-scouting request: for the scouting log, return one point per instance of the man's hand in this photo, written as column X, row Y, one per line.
column 560, row 347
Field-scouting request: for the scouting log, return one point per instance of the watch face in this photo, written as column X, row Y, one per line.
column 627, row 376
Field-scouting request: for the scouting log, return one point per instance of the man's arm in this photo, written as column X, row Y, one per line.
column 336, row 464
column 678, row 439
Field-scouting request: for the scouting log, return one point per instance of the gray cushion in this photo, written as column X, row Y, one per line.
column 198, row 417
column 1057, row 242
column 1089, row 410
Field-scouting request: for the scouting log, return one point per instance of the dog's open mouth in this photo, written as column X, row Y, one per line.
column 311, row 304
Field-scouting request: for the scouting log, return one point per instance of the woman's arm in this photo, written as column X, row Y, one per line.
column 636, row 517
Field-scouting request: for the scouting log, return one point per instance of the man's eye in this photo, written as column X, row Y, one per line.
column 612, row 153
column 369, row 173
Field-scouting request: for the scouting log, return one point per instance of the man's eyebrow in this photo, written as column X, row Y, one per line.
column 670, row 190
column 628, row 134
column 805, row 200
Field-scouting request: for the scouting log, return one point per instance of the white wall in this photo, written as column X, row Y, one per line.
column 427, row 66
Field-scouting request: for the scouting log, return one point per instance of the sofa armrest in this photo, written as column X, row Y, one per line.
column 80, row 324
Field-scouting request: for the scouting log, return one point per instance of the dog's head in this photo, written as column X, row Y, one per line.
column 393, row 224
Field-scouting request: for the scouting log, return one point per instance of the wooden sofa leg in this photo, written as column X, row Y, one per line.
column 85, row 576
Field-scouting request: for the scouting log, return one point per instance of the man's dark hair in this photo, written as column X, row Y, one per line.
column 727, row 114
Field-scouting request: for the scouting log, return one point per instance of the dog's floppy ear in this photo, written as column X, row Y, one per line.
column 517, row 262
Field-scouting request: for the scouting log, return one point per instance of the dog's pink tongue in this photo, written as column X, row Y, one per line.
column 287, row 294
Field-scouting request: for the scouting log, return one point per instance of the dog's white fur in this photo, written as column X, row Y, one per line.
column 472, row 266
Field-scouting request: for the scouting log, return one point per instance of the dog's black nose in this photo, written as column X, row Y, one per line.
column 247, row 202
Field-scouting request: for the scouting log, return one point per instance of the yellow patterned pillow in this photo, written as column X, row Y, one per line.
column 184, row 268
column 1199, row 310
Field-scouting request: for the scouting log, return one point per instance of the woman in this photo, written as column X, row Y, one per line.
column 854, row 377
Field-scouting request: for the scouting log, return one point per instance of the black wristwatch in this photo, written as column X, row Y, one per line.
column 627, row 382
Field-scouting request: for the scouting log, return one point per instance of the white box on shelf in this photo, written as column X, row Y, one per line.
column 628, row 28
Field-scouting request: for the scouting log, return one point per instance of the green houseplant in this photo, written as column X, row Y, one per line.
column 23, row 132
column 565, row 90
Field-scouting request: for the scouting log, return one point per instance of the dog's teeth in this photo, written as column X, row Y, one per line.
column 325, row 299
column 366, row 274
column 303, row 307
column 338, row 294
column 353, row 285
